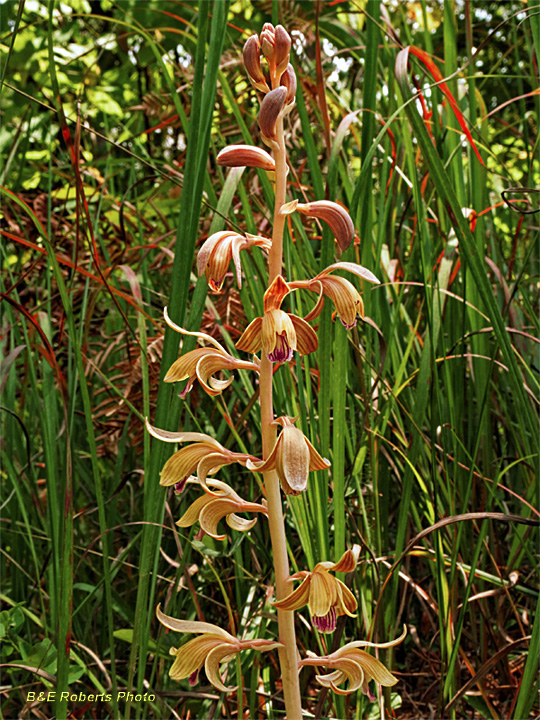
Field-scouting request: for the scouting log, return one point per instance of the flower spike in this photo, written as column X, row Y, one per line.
column 326, row 596
column 352, row 664
column 212, row 647
column 292, row 457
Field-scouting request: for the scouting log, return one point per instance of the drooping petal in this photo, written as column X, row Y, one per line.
column 185, row 366
column 346, row 600
column 316, row 462
column 297, row 599
column 346, row 298
column 268, row 464
column 251, row 340
column 191, row 626
column 206, row 366
column 373, row 669
column 316, row 286
column 208, row 247
column 346, row 563
column 192, row 514
column 306, row 337
column 211, row 667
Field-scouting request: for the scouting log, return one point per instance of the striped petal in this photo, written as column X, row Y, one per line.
column 251, row 340
column 306, row 337
column 211, row 666
column 191, row 626
column 297, row 599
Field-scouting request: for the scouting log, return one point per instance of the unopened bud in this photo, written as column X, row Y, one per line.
column 252, row 63
column 245, row 156
column 268, row 41
column 335, row 216
column 288, row 80
column 283, row 49
column 270, row 109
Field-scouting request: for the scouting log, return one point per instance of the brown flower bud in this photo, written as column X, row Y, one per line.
column 252, row 63
column 245, row 156
column 335, row 216
column 271, row 107
column 283, row 49
column 268, row 41
column 288, row 80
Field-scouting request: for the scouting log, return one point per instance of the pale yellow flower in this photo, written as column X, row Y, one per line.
column 216, row 253
column 278, row 333
column 346, row 298
column 326, row 596
column 212, row 647
column 202, row 363
column 223, row 502
column 292, row 457
column 204, row 457
column 354, row 665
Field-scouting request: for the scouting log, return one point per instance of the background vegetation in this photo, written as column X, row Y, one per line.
column 112, row 116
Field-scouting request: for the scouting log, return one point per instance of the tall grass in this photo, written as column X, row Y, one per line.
column 428, row 411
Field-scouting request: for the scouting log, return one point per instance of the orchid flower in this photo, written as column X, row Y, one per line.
column 209, row 509
column 355, row 665
column 212, row 647
column 292, row 457
column 336, row 217
column 219, row 249
column 278, row 333
column 202, row 363
column 326, row 596
column 205, row 456
column 346, row 298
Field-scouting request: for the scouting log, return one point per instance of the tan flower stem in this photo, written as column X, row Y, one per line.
column 287, row 636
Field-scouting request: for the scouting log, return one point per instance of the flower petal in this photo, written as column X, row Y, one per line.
column 191, row 656
column 191, row 626
column 184, row 462
column 211, row 666
column 374, row 669
column 346, row 298
column 294, row 458
column 350, row 671
column 192, row 514
column 316, row 462
column 179, row 437
column 297, row 599
column 362, row 272
column 335, row 216
column 239, row 523
column 306, row 337
column 322, row 593
column 275, row 294
column 347, row 602
column 245, row 156
column 346, row 563
column 185, row 366
column 269, row 113
column 251, row 339
column 213, row 512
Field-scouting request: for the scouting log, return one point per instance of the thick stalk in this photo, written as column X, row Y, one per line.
column 288, row 654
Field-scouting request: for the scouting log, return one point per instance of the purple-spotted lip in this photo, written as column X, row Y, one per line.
column 194, row 677
column 346, row 325
column 180, row 486
column 282, row 352
column 325, row 623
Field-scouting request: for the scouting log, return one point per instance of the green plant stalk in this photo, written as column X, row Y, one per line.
column 287, row 635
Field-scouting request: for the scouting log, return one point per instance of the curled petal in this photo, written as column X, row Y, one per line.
column 375, row 670
column 191, row 626
column 346, row 600
column 191, row 516
column 191, row 656
column 348, row 670
column 211, row 667
column 205, row 368
column 335, row 216
column 271, row 107
column 246, row 156
column 213, row 512
column 185, row 461
column 185, row 366
column 199, row 335
column 367, row 643
column 239, row 523
column 346, row 298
